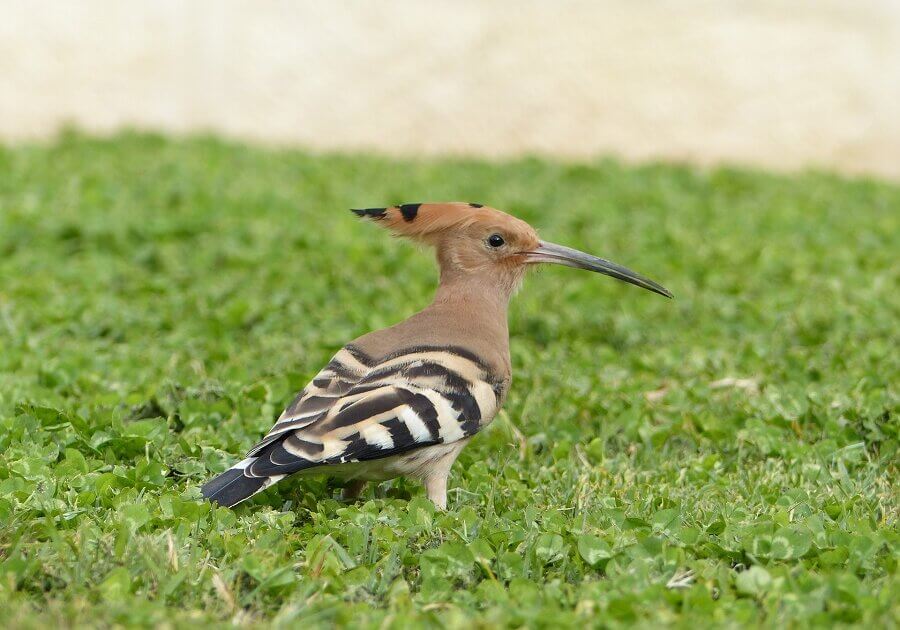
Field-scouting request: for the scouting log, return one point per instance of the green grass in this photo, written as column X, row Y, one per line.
column 160, row 302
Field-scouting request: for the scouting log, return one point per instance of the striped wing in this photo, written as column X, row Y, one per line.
column 333, row 382
column 361, row 408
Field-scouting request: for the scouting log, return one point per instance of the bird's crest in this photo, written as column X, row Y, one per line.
column 423, row 220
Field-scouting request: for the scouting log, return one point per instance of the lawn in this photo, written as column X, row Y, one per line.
column 729, row 457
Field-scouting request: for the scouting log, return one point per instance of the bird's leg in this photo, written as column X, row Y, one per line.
column 353, row 489
column 436, row 487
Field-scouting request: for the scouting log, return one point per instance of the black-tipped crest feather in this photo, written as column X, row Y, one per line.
column 369, row 213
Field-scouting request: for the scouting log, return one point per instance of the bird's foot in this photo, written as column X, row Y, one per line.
column 436, row 487
column 353, row 489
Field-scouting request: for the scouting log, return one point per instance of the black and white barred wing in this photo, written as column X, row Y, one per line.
column 410, row 399
column 328, row 387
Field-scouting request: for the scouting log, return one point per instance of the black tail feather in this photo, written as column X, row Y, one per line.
column 232, row 487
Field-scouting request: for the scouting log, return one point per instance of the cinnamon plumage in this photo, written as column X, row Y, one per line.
column 405, row 400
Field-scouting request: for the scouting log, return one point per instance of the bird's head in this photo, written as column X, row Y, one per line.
column 475, row 241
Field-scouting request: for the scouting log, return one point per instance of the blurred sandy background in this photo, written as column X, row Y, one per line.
column 777, row 84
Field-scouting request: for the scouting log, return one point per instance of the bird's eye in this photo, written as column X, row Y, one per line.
column 495, row 240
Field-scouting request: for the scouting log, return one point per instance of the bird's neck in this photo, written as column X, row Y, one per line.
column 479, row 296
column 463, row 313
column 472, row 313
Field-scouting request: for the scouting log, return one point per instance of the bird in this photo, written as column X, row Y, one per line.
column 405, row 400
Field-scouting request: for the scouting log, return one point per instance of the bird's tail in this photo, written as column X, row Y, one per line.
column 237, row 484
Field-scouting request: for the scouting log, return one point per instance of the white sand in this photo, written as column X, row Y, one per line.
column 778, row 84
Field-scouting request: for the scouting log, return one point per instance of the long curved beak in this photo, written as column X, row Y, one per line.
column 561, row 255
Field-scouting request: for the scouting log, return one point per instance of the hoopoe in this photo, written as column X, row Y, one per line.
column 405, row 400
